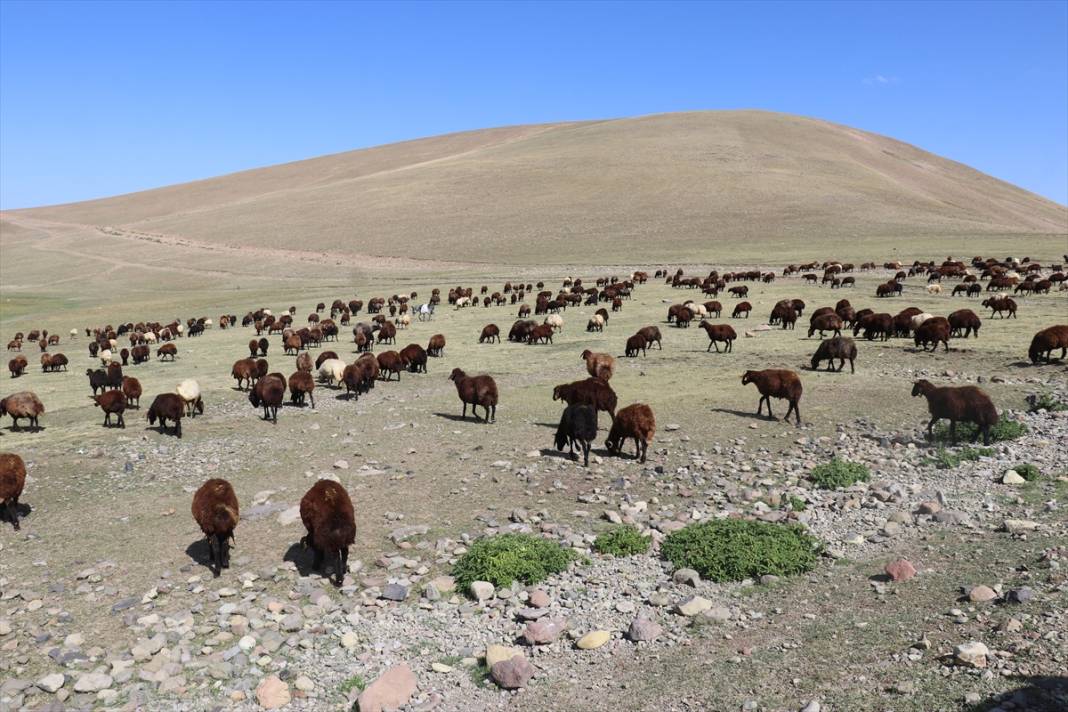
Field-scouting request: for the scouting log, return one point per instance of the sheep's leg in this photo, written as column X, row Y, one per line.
column 586, row 453
column 953, row 431
column 768, row 399
column 13, row 512
column 986, row 434
column 317, row 562
column 122, row 422
column 852, row 369
column 464, row 415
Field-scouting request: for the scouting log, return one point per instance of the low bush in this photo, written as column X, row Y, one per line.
column 1005, row 429
column 736, row 549
column 622, row 540
column 837, row 474
column 945, row 459
column 505, row 558
column 1027, row 471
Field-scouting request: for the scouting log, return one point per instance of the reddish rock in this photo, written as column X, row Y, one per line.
column 539, row 599
column 543, row 631
column 900, row 570
column 390, row 691
column 511, row 674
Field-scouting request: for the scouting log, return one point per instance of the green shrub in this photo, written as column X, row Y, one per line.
column 795, row 503
column 353, row 683
column 622, row 540
column 946, row 460
column 1005, row 429
column 505, row 558
column 839, row 473
column 736, row 549
column 1027, row 471
column 1047, row 402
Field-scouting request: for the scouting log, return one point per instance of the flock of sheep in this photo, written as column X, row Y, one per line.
column 326, row 510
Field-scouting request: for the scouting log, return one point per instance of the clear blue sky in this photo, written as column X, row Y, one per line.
column 105, row 98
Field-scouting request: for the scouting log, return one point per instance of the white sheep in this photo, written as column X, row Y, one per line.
column 181, row 329
column 267, row 312
column 698, row 310
column 934, row 288
column 208, row 323
column 462, row 302
column 403, row 321
column 150, row 337
column 596, row 323
column 555, row 321
column 113, row 343
column 105, row 357
column 332, row 370
column 189, row 391
column 73, row 334
column 920, row 318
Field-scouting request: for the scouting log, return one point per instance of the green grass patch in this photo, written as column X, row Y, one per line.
column 355, row 682
column 622, row 540
column 945, row 459
column 1027, row 471
column 505, row 558
column 795, row 503
column 1047, row 402
column 736, row 549
column 1005, row 429
column 837, row 474
column 479, row 674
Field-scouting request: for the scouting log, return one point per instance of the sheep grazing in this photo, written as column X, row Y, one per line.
column 489, row 333
column 12, row 482
column 776, row 383
column 216, row 511
column 542, row 333
column 652, row 336
column 324, row 356
column 596, row 323
column 717, row 333
column 327, row 513
column 934, row 288
column 578, row 426
column 1046, row 342
column 390, row 362
column 24, row 404
column 476, row 391
column 253, row 348
column 268, row 394
column 167, row 406
column 167, row 350
column 963, row 323
column 189, row 390
column 741, row 310
column 413, row 358
column 599, row 365
column 1001, row 307
column 131, row 388
column 592, row 391
column 17, row 366
column 555, row 321
column 244, row 370
column 966, row 404
column 825, row 322
column 636, row 422
column 881, row 325
column 112, row 402
column 436, row 345
column 301, row 384
column 933, row 331
column 635, row 344
column 304, row 362
column 331, row 370
column 837, row 347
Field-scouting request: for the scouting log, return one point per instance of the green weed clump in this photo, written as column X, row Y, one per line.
column 1047, row 402
column 1027, row 471
column 945, row 459
column 736, row 549
column 837, row 474
column 622, row 540
column 1005, row 429
column 504, row 558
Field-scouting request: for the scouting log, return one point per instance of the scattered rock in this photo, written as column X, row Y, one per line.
column 93, row 682
column 981, row 594
column 51, row 683
column 694, row 605
column 543, row 631
column 392, row 690
column 686, row 576
column 481, row 590
column 900, row 570
column 272, row 693
column 513, row 673
column 971, row 654
column 644, row 630
column 593, row 640
column 1011, row 477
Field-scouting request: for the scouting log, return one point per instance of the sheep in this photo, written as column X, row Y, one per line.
column 828, row 322
column 785, row 314
column 933, row 331
column 293, row 344
column 1001, row 306
column 387, row 334
column 599, row 365
column 12, row 482
column 880, row 325
column 131, row 388
column 167, row 406
column 713, row 308
column 596, row 323
column 489, row 333
column 301, row 384
column 1045, row 342
column 105, row 357
column 964, row 322
column 637, row 422
column 578, row 426
column 476, row 391
column 635, row 344
column 413, row 358
column 97, row 379
column 541, row 333
column 934, row 288
column 328, row 516
column 268, row 394
column 253, row 348
column 776, row 383
column 390, row 362
column 966, row 404
column 124, row 354
column 189, row 390
column 652, row 335
column 837, row 347
column 17, row 366
column 167, row 350
column 24, row 404
column 916, row 319
column 216, row 511
column 592, row 391
column 717, row 333
column 436, row 345
column 56, row 362
column 304, row 362
column 244, row 370
column 112, row 402
column 741, row 307
column 140, row 354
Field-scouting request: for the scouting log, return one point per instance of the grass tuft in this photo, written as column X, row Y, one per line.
column 837, row 474
column 504, row 558
column 622, row 540
column 1005, row 429
column 736, row 549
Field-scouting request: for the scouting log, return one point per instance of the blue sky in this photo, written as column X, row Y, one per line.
column 104, row 98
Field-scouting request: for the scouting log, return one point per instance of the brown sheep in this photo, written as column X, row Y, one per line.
column 24, row 404
column 476, row 391
column 714, row 308
column 652, row 336
column 826, row 322
column 413, row 358
column 320, row 358
column 304, row 362
column 17, row 366
column 592, row 391
column 636, row 422
column 167, row 406
column 390, row 362
column 489, row 333
column 216, row 510
column 131, row 388
column 268, row 394
column 167, row 350
column 717, row 333
column 783, row 313
column 1002, row 306
column 301, row 384
column 436, row 345
column 328, row 516
column 293, row 344
column 244, row 370
column 741, row 307
column 599, row 365
column 776, row 383
column 966, row 404
column 112, row 402
column 635, row 344
column 56, row 362
column 1046, row 342
column 541, row 333
column 963, row 323
column 12, row 482
column 881, row 325
column 253, row 348
column 837, row 347
column 933, row 331
column 387, row 334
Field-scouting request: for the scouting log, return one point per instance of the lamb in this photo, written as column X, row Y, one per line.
column 436, row 345
column 828, row 322
column 599, row 365
column 652, row 335
column 933, row 331
column 717, row 333
column 167, row 406
column 216, row 511
column 578, row 426
column 476, row 391
column 636, row 422
column 934, row 288
column 327, row 513
column 413, row 358
column 966, row 404
column 131, row 388
column 635, row 344
column 489, row 333
column 596, row 323
column 740, row 308
column 301, row 384
column 112, row 402
column 837, row 347
column 555, row 321
column 964, row 322
column 1045, row 342
column 390, row 362
column 17, row 366
column 592, row 391
column 12, row 482
column 189, row 390
column 167, row 350
column 268, row 394
column 776, row 383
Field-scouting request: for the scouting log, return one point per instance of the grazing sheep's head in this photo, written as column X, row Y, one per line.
column 747, row 378
column 457, row 374
column 921, row 387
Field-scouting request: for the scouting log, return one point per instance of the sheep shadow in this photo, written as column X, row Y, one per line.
column 746, row 414
column 199, row 552
column 1040, row 693
column 25, row 428
column 461, row 418
column 22, row 511
column 304, row 560
column 169, row 431
column 346, row 396
column 1028, row 364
